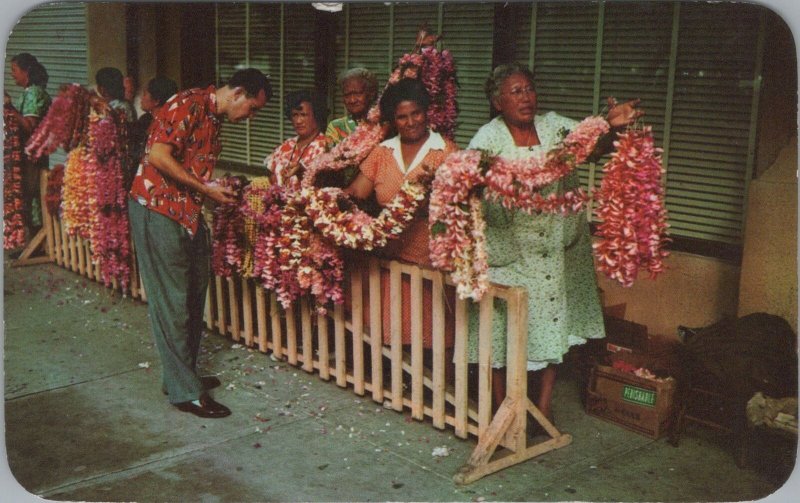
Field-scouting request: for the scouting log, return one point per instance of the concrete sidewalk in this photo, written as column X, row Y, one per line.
column 86, row 421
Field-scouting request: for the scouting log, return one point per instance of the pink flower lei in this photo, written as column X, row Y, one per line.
column 228, row 231
column 633, row 207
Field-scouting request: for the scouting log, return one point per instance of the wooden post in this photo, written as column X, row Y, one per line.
column 291, row 335
column 59, row 245
column 358, row 330
column 322, row 347
column 277, row 346
column 437, row 322
column 396, row 316
column 485, row 364
column 460, row 357
column 375, row 330
column 81, row 257
column 47, row 218
column 339, row 349
column 247, row 311
column 261, row 313
column 417, row 406
column 308, row 340
column 233, row 305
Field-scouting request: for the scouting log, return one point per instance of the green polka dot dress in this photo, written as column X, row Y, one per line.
column 549, row 255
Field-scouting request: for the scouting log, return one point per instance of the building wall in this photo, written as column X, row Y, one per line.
column 106, row 44
column 769, row 266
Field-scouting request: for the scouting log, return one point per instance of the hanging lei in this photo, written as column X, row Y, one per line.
column 631, row 210
column 55, row 181
column 458, row 243
column 64, row 125
column 13, row 206
column 228, row 230
column 110, row 237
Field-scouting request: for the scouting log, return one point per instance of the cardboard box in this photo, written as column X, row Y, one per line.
column 642, row 405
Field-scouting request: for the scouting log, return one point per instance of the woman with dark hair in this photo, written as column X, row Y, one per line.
column 307, row 112
column 155, row 94
column 111, row 87
column 548, row 254
column 414, row 151
column 30, row 109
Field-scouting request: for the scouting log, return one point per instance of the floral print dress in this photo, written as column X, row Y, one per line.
column 549, row 255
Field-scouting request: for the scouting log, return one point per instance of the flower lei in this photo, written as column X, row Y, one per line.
column 79, row 195
column 13, row 206
column 65, row 123
column 55, row 181
column 456, row 221
column 107, row 144
column 228, row 231
column 631, row 209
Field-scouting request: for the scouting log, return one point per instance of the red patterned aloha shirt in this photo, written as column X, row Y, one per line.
column 188, row 123
column 287, row 152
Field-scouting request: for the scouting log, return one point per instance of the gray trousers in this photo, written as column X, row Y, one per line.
column 175, row 269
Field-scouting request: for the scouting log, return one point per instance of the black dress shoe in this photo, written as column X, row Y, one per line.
column 208, row 408
column 209, row 382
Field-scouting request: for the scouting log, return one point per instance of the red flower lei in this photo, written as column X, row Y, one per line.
column 55, row 181
column 13, row 206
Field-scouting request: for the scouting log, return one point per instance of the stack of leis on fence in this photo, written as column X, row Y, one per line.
column 13, row 205
column 632, row 205
column 93, row 196
column 55, row 182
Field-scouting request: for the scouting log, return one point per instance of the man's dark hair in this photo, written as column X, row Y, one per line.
column 37, row 75
column 294, row 99
column 110, row 79
column 161, row 89
column 253, row 81
column 405, row 90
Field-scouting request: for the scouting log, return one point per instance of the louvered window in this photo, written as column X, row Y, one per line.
column 56, row 35
column 696, row 67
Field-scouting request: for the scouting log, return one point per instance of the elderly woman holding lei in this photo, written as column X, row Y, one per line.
column 413, row 152
column 307, row 112
column 548, row 254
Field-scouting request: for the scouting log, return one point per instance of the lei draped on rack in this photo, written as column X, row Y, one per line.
column 13, row 204
column 629, row 202
column 93, row 195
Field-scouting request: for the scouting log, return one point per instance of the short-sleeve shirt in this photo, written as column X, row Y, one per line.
column 339, row 129
column 287, row 153
column 384, row 167
column 189, row 124
column 33, row 102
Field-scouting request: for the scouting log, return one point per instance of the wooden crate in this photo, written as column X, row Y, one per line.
column 642, row 405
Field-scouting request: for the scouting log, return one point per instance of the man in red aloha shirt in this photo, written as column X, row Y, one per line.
column 171, row 239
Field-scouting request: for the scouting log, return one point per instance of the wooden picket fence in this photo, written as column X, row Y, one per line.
column 339, row 346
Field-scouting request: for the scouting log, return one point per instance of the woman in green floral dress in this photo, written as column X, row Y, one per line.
column 547, row 254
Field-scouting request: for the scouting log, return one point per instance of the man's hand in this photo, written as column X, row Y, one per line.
column 219, row 194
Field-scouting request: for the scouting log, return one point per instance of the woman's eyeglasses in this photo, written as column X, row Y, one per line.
column 519, row 92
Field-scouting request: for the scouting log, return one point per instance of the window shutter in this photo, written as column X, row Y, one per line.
column 232, row 56
column 265, row 54
column 468, row 34
column 298, row 54
column 711, row 120
column 56, row 35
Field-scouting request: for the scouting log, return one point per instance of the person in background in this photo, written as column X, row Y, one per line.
column 359, row 90
column 110, row 87
column 31, row 107
column 306, row 111
column 133, row 94
column 154, row 95
column 171, row 238
column 548, row 254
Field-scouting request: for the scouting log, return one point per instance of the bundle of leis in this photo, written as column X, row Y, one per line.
column 456, row 222
column 65, row 123
column 288, row 257
column 79, row 193
column 254, row 204
column 55, row 180
column 107, row 147
column 228, row 230
column 13, row 206
column 630, row 207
